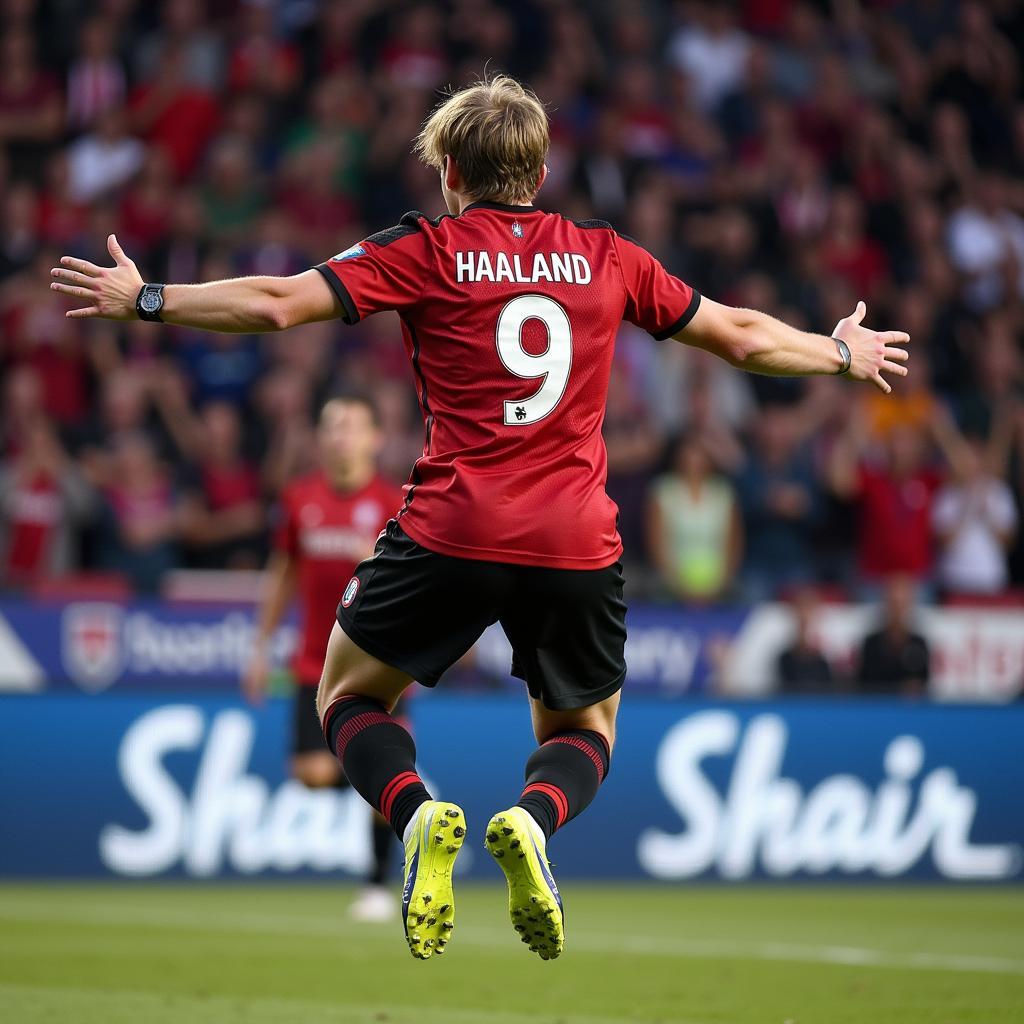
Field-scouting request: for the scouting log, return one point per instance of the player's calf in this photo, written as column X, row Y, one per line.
column 563, row 776
column 378, row 757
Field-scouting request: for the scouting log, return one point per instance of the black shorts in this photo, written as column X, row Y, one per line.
column 421, row 611
column 307, row 735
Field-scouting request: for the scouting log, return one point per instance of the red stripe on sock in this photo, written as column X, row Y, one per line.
column 581, row 744
column 393, row 788
column 330, row 712
column 555, row 795
column 385, row 792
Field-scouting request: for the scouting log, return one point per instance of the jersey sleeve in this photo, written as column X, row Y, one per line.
column 385, row 271
column 656, row 300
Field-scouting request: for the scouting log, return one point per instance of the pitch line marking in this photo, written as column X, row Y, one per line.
column 588, row 942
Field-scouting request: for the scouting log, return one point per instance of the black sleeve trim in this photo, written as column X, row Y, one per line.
column 593, row 222
column 394, row 234
column 682, row 321
column 351, row 314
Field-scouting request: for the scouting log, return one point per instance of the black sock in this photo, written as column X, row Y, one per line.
column 563, row 775
column 378, row 757
column 383, row 845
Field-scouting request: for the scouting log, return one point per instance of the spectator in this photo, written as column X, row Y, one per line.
column 43, row 498
column 183, row 32
column 105, row 159
column 22, row 408
column 173, row 114
column 223, row 515
column 975, row 519
column 147, row 207
column 140, row 520
column 893, row 495
column 986, row 243
column 712, row 52
column 96, row 79
column 124, row 411
column 233, row 197
column 781, row 505
column 260, row 62
column 31, row 113
column 894, row 659
column 694, row 531
column 802, row 668
column 772, row 156
column 19, row 241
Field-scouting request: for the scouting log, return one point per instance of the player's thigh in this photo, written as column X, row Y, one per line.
column 349, row 670
column 568, row 634
column 599, row 718
column 416, row 610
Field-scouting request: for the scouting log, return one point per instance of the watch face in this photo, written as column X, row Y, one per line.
column 151, row 301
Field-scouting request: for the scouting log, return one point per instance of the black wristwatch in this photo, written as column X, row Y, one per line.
column 149, row 302
column 844, row 352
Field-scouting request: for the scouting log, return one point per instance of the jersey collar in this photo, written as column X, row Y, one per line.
column 483, row 204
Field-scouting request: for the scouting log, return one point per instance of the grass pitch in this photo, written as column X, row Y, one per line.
column 114, row 954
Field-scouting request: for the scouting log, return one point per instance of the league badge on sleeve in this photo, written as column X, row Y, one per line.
column 350, row 592
column 349, row 254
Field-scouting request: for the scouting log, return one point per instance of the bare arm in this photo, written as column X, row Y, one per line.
column 241, row 305
column 280, row 589
column 759, row 343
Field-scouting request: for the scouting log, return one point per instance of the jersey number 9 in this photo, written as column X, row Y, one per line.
column 553, row 364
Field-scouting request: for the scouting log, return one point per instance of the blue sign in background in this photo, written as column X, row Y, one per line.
column 789, row 790
column 152, row 645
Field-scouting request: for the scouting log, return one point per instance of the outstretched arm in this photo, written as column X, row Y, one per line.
column 242, row 305
column 761, row 344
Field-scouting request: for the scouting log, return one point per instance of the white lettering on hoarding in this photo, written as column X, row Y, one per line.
column 230, row 818
column 766, row 820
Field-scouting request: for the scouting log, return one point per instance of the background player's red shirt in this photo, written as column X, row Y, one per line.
column 509, row 316
column 328, row 532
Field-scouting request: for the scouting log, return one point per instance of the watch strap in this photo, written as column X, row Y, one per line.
column 146, row 307
column 844, row 352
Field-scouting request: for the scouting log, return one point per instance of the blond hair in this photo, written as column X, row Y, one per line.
column 496, row 131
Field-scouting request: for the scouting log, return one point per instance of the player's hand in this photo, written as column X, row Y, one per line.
column 107, row 292
column 872, row 352
column 256, row 678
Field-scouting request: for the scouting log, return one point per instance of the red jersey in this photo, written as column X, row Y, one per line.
column 328, row 532
column 896, row 522
column 509, row 316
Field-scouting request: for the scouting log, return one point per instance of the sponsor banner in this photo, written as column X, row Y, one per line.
column 977, row 654
column 93, row 646
column 775, row 791
column 96, row 645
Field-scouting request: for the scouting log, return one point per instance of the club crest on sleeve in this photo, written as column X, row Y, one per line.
column 517, row 229
column 350, row 592
column 349, row 254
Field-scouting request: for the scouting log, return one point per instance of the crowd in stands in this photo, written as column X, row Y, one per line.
column 784, row 155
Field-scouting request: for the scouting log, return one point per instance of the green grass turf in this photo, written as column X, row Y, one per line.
column 144, row 954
